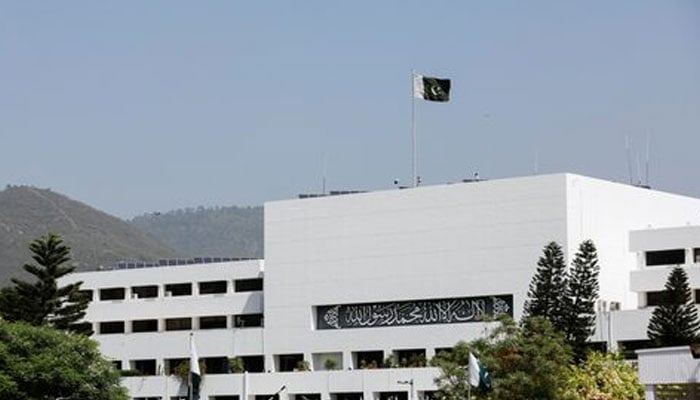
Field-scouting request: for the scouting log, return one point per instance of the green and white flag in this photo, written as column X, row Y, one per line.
column 195, row 374
column 478, row 376
column 431, row 89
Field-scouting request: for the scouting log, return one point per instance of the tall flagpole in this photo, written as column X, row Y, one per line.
column 414, row 158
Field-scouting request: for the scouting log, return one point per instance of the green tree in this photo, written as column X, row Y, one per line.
column 547, row 291
column 675, row 321
column 43, row 302
column 603, row 376
column 526, row 361
column 582, row 294
column 42, row 363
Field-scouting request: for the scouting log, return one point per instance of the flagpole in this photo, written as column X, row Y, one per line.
column 414, row 162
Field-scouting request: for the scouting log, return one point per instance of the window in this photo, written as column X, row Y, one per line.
column 307, row 396
column 267, row 396
column 117, row 365
column 289, row 362
column 87, row 294
column 253, row 363
column 144, row 292
column 346, row 396
column 227, row 397
column 178, row 324
column 215, row 322
column 212, row 287
column 178, row 289
column 655, row 298
column 248, row 285
column 144, row 325
column 368, row 359
column 248, row 320
column 665, row 257
column 216, row 365
column 411, row 358
column 110, row 327
column 696, row 256
column 112, row 294
column 393, row 395
column 145, row 367
column 172, row 363
column 697, row 296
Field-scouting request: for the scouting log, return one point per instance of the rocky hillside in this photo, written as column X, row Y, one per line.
column 96, row 238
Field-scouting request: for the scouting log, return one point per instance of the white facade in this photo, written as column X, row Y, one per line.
column 479, row 239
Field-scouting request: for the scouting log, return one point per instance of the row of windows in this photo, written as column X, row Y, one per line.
column 658, row 298
column 402, row 395
column 669, row 257
column 182, row 324
column 176, row 289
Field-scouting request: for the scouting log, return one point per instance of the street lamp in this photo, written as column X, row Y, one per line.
column 408, row 382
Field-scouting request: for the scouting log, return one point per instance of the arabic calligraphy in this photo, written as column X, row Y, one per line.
column 419, row 312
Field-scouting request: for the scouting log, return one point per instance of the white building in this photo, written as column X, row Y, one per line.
column 358, row 278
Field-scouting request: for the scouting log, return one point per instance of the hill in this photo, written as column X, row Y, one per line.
column 96, row 238
column 217, row 231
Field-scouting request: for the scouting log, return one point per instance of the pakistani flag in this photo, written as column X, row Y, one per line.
column 478, row 376
column 432, row 89
column 195, row 375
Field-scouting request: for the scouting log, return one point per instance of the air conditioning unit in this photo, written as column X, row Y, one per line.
column 602, row 305
column 615, row 306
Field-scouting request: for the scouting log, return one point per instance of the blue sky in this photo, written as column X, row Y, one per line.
column 137, row 107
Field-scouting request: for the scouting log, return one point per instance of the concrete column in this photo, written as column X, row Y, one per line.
column 270, row 363
column 347, row 360
column 429, row 354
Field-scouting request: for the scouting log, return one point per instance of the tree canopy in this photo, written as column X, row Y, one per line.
column 42, row 363
column 547, row 292
column 675, row 321
column 582, row 294
column 42, row 302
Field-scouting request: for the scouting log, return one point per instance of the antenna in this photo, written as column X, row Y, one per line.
column 647, row 161
column 639, row 177
column 629, row 159
column 323, row 174
column 536, row 167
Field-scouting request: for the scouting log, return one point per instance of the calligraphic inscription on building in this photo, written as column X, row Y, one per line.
column 413, row 312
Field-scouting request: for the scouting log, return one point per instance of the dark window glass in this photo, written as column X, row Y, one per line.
column 267, row 397
column 85, row 327
column 178, row 289
column 655, row 298
column 146, row 367
column 111, row 327
column 289, row 362
column 369, row 359
column 249, row 285
column 665, row 257
column 144, row 292
column 696, row 256
column 112, row 294
column 117, row 365
column 393, row 396
column 413, row 358
column 307, row 396
column 346, row 396
column 253, row 363
column 212, row 287
column 247, row 320
column 144, row 325
column 697, row 296
column 215, row 322
column 87, row 293
column 216, row 365
column 172, row 363
column 227, row 397
column 178, row 324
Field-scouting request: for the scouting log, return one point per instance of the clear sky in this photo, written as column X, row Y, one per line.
column 147, row 106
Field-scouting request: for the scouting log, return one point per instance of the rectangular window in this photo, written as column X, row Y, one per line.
column 248, row 285
column 248, row 320
column 87, row 294
column 226, row 397
column 178, row 289
column 393, row 395
column 290, row 362
column 112, row 294
column 216, row 365
column 178, row 324
column 346, row 396
column 665, row 257
column 109, row 327
column 171, row 364
column 214, row 322
column 307, row 396
column 414, row 358
column 144, row 325
column 145, row 367
column 696, row 256
column 697, row 296
column 117, row 365
column 368, row 359
column 212, row 287
column 253, row 363
column 655, row 298
column 144, row 292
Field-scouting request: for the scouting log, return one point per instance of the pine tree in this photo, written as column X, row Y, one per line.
column 42, row 302
column 582, row 294
column 675, row 321
column 546, row 296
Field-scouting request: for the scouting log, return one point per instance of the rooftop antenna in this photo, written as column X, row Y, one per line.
column 536, row 167
column 323, row 174
column 629, row 159
column 639, row 175
column 646, row 172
